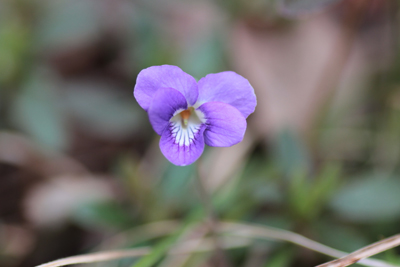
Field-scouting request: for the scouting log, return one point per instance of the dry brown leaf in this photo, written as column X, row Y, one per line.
column 289, row 70
column 51, row 203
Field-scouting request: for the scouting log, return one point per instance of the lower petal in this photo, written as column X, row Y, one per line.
column 182, row 146
column 225, row 124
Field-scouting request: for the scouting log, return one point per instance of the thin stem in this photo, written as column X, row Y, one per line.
column 98, row 257
column 242, row 230
column 192, row 246
column 265, row 232
column 365, row 252
column 206, row 200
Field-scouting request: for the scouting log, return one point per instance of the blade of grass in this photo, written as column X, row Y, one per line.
column 179, row 260
column 165, row 245
column 158, row 252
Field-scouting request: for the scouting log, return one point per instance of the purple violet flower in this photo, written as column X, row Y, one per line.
column 188, row 114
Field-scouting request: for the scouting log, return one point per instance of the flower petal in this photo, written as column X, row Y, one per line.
column 166, row 76
column 166, row 102
column 225, row 124
column 182, row 146
column 230, row 88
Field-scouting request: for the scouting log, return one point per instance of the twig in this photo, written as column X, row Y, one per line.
column 183, row 248
column 100, row 256
column 365, row 252
column 264, row 232
column 247, row 231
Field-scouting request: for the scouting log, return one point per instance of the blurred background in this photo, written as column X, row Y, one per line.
column 80, row 165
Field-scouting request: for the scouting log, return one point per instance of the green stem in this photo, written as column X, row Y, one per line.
column 212, row 219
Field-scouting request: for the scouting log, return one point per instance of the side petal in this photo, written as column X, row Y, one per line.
column 230, row 88
column 150, row 80
column 225, row 124
column 166, row 102
column 182, row 146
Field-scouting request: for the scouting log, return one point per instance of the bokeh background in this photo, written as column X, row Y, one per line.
column 80, row 164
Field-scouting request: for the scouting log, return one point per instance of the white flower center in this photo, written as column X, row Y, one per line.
column 185, row 124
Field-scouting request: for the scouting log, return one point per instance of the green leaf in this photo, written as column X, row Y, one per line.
column 369, row 199
column 158, row 252
column 282, row 258
column 14, row 46
column 65, row 23
column 37, row 111
column 293, row 8
column 175, row 183
column 307, row 197
column 103, row 215
column 162, row 248
column 102, row 110
column 339, row 236
column 146, row 42
column 291, row 154
column 203, row 56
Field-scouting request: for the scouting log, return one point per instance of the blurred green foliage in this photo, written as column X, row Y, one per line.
column 67, row 71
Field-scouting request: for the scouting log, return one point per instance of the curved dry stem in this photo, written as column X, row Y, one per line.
column 365, row 252
column 195, row 245
column 99, row 256
column 139, row 234
column 245, row 233
column 264, row 232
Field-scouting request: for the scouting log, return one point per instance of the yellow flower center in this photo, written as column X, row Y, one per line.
column 185, row 115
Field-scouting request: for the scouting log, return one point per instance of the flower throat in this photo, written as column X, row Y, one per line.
column 185, row 115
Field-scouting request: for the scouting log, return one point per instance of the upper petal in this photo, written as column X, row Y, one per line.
column 166, row 76
column 225, row 124
column 182, row 146
column 230, row 88
column 166, row 102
